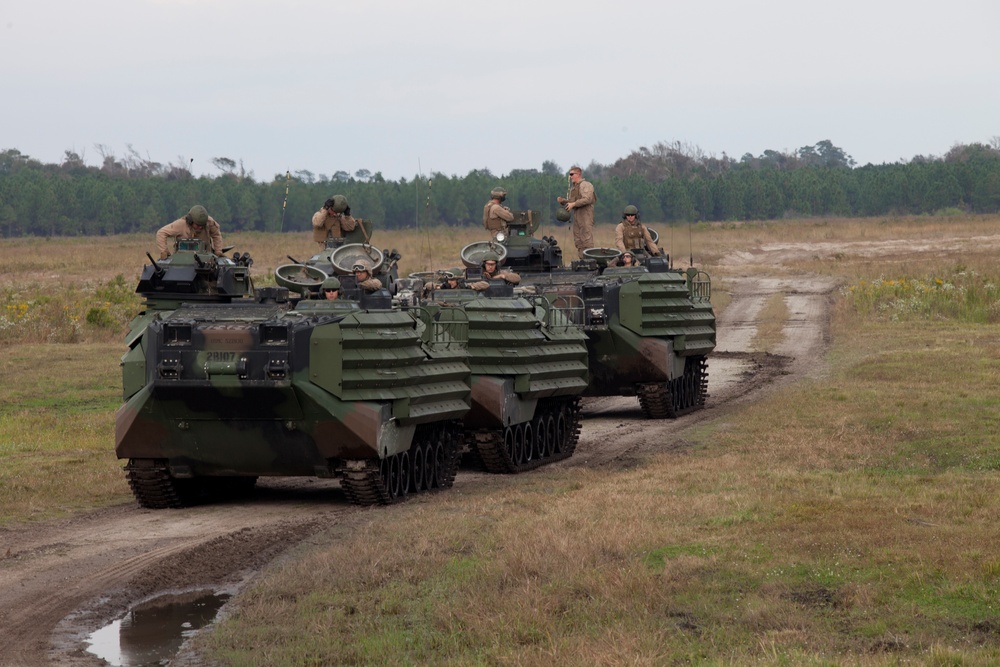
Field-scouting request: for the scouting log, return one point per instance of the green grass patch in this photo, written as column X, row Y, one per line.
column 57, row 430
column 657, row 558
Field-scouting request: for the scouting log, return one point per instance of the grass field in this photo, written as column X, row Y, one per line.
column 849, row 519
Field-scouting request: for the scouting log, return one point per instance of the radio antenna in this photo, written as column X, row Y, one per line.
column 690, row 246
column 288, row 179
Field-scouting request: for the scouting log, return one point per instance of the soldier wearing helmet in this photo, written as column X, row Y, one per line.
column 333, row 220
column 197, row 224
column 627, row 259
column 452, row 280
column 632, row 234
column 580, row 200
column 330, row 289
column 496, row 216
column 492, row 271
column 363, row 275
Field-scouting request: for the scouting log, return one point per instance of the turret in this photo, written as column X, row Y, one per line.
column 193, row 273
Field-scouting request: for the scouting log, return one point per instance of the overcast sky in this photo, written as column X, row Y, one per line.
column 443, row 86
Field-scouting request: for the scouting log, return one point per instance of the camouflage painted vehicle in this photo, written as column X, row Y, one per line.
column 223, row 384
column 650, row 328
column 529, row 368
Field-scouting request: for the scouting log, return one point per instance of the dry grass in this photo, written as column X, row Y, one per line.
column 846, row 245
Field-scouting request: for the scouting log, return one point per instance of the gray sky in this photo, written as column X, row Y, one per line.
column 387, row 85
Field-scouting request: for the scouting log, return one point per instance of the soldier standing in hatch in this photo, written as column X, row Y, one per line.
column 333, row 220
column 630, row 234
column 581, row 203
column 496, row 216
column 197, row 224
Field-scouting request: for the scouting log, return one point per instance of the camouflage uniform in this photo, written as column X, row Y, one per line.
column 634, row 236
column 371, row 284
column 182, row 229
column 326, row 225
column 496, row 217
column 583, row 198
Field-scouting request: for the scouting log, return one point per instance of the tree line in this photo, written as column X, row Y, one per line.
column 672, row 183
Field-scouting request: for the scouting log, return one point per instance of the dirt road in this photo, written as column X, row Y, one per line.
column 60, row 581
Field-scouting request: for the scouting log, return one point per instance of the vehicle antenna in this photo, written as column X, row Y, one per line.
column 416, row 197
column 669, row 224
column 288, row 179
column 690, row 247
column 428, row 246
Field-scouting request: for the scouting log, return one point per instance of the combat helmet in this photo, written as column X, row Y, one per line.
column 490, row 256
column 362, row 265
column 340, row 204
column 331, row 283
column 198, row 215
column 499, row 193
column 562, row 215
column 630, row 210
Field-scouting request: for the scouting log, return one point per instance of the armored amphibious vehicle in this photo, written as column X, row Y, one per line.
column 650, row 328
column 223, row 383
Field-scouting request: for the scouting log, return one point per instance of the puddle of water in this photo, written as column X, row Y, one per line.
column 152, row 632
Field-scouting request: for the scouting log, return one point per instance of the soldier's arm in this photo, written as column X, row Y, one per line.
column 620, row 237
column 215, row 231
column 503, row 213
column 649, row 241
column 164, row 233
column 161, row 241
column 319, row 218
column 510, row 277
column 347, row 223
